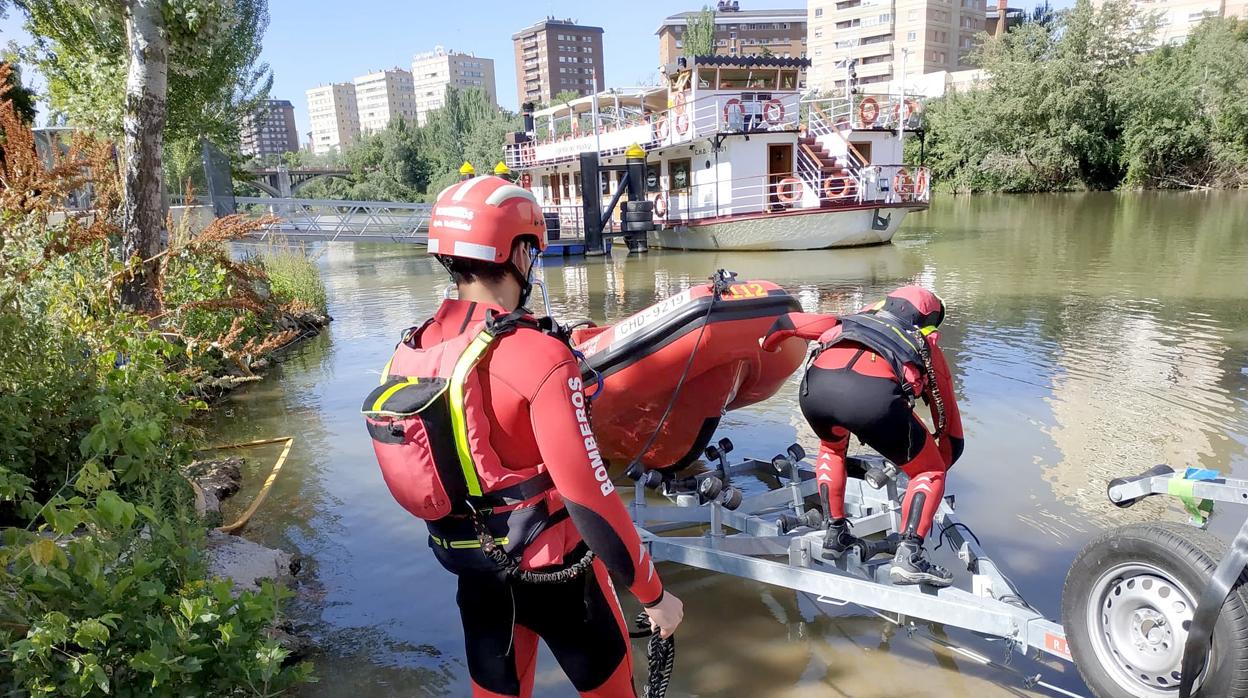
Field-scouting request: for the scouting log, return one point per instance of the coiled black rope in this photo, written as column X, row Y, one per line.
column 660, row 655
column 932, row 385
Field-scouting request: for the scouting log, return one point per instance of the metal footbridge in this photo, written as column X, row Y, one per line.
column 325, row 219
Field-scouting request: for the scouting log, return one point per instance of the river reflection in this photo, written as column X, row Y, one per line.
column 1092, row 336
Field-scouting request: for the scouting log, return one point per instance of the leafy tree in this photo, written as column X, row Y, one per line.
column 1185, row 110
column 23, row 97
column 404, row 162
column 700, row 34
column 1045, row 120
column 155, row 70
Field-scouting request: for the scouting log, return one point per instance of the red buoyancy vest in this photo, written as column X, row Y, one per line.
column 431, row 435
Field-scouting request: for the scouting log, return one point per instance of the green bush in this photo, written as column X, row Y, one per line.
column 1087, row 101
column 102, row 585
column 294, row 278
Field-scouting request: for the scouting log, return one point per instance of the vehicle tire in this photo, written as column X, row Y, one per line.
column 637, row 226
column 638, row 206
column 638, row 216
column 1126, row 604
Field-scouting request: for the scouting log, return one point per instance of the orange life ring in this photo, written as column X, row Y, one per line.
column 660, row 128
column 680, row 99
column 920, row 183
column 734, row 102
column 786, row 192
column 778, row 113
column 682, row 122
column 903, row 183
column 840, row 187
column 911, row 108
column 863, row 111
column 660, row 205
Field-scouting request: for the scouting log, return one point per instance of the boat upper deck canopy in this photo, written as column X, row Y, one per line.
column 641, row 97
column 737, row 73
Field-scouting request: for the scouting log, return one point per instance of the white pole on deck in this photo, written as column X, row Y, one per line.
column 901, row 109
column 593, row 105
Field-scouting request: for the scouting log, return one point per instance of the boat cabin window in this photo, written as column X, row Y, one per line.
column 730, row 79
column 552, row 193
column 762, row 81
column 652, row 177
column 788, row 80
column 706, row 77
column 679, row 171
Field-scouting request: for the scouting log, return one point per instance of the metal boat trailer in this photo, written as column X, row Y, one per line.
column 774, row 537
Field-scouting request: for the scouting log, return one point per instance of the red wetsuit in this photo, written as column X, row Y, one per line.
column 532, row 386
column 850, row 388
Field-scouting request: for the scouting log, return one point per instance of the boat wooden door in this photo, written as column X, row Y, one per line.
column 779, row 166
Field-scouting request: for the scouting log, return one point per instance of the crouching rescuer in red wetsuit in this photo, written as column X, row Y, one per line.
column 865, row 375
column 482, row 429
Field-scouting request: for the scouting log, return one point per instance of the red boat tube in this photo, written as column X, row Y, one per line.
column 642, row 357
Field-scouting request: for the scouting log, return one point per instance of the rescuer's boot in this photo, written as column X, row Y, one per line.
column 911, row 566
column 838, row 539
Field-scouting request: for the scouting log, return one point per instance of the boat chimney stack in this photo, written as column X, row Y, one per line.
column 1001, row 10
column 526, row 113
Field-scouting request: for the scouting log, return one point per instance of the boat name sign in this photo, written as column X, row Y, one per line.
column 652, row 315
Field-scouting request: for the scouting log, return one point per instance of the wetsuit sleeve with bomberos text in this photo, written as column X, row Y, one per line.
column 951, row 441
column 565, row 439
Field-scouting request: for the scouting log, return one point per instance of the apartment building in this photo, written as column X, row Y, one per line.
column 334, row 118
column 1180, row 17
column 271, row 130
column 436, row 70
column 782, row 33
column 925, row 36
column 557, row 55
column 383, row 97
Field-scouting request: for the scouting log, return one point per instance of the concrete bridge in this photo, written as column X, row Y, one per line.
column 283, row 182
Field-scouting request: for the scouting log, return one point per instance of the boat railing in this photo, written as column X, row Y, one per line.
column 564, row 221
column 748, row 111
column 774, row 193
column 865, row 111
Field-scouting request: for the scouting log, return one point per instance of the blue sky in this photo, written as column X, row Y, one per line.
column 311, row 42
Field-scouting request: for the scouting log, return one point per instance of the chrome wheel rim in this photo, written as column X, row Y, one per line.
column 1138, row 618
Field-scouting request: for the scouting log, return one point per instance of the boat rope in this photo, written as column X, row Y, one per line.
column 718, row 283
column 242, row 520
column 937, row 399
column 660, row 655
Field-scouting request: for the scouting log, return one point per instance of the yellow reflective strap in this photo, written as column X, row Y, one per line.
column 463, row 366
column 389, row 392
column 385, row 372
column 471, row 544
column 927, row 330
column 879, row 305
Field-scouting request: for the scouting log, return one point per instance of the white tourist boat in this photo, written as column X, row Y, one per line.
column 737, row 159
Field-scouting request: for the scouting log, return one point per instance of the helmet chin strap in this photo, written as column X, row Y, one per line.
column 525, row 280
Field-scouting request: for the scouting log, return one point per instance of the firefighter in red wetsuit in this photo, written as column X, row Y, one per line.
column 867, row 372
column 554, row 497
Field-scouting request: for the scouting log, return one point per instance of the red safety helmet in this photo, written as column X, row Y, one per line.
column 917, row 306
column 480, row 218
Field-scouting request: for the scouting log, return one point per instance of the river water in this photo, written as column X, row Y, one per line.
column 1091, row 336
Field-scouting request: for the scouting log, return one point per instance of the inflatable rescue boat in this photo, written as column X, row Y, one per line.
column 702, row 346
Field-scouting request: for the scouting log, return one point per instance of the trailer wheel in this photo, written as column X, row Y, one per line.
column 1128, row 600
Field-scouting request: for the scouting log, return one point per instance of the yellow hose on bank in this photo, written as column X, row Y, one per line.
column 242, row 520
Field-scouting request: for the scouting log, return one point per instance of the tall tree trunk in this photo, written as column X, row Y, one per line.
column 144, row 125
